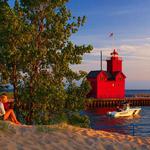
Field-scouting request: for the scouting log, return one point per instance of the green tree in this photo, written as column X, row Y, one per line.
column 36, row 42
column 14, row 34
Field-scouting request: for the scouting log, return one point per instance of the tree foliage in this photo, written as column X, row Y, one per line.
column 36, row 53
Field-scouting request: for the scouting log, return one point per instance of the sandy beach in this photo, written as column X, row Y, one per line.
column 66, row 137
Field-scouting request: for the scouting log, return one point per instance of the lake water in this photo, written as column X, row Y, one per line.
column 137, row 125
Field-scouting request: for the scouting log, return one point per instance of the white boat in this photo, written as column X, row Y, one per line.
column 125, row 112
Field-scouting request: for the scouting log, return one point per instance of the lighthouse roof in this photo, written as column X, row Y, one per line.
column 94, row 74
column 117, row 73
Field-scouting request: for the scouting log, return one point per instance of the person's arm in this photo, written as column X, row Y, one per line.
column 2, row 110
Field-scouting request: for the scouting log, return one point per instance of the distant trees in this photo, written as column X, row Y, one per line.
column 35, row 56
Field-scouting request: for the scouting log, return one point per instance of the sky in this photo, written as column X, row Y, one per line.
column 129, row 20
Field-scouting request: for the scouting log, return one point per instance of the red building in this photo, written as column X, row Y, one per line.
column 110, row 83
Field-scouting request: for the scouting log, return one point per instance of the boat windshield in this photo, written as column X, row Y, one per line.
column 126, row 106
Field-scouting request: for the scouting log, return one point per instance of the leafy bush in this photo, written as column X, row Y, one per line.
column 58, row 118
column 78, row 120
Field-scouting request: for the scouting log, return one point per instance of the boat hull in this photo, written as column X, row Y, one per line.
column 125, row 113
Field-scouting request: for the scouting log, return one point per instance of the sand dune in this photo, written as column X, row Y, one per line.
column 65, row 137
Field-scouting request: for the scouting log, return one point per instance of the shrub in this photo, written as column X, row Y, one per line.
column 78, row 120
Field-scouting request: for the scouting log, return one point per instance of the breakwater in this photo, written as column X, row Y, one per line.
column 110, row 103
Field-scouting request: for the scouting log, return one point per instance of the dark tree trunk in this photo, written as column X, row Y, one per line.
column 15, row 82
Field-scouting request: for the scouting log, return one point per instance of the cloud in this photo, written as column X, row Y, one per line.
column 136, row 39
column 122, row 12
column 128, row 11
column 136, row 61
column 136, row 51
column 128, row 52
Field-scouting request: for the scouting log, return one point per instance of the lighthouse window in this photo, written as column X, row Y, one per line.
column 102, row 78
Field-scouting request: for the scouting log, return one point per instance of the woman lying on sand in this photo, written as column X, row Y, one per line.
column 6, row 112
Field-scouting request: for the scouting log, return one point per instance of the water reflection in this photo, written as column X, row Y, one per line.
column 125, row 125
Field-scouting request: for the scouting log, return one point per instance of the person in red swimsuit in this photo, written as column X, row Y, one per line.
column 9, row 113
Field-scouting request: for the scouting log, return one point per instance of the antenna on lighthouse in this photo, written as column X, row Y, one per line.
column 101, row 60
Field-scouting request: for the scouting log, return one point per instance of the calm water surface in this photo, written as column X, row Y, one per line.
column 124, row 125
column 137, row 125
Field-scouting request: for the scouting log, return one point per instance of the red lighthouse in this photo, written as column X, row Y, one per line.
column 110, row 83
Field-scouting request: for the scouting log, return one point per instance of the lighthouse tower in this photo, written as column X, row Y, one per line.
column 109, row 83
column 114, row 64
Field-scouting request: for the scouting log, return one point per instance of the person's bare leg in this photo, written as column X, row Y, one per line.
column 12, row 119
column 7, row 114
column 13, row 116
column 10, row 113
